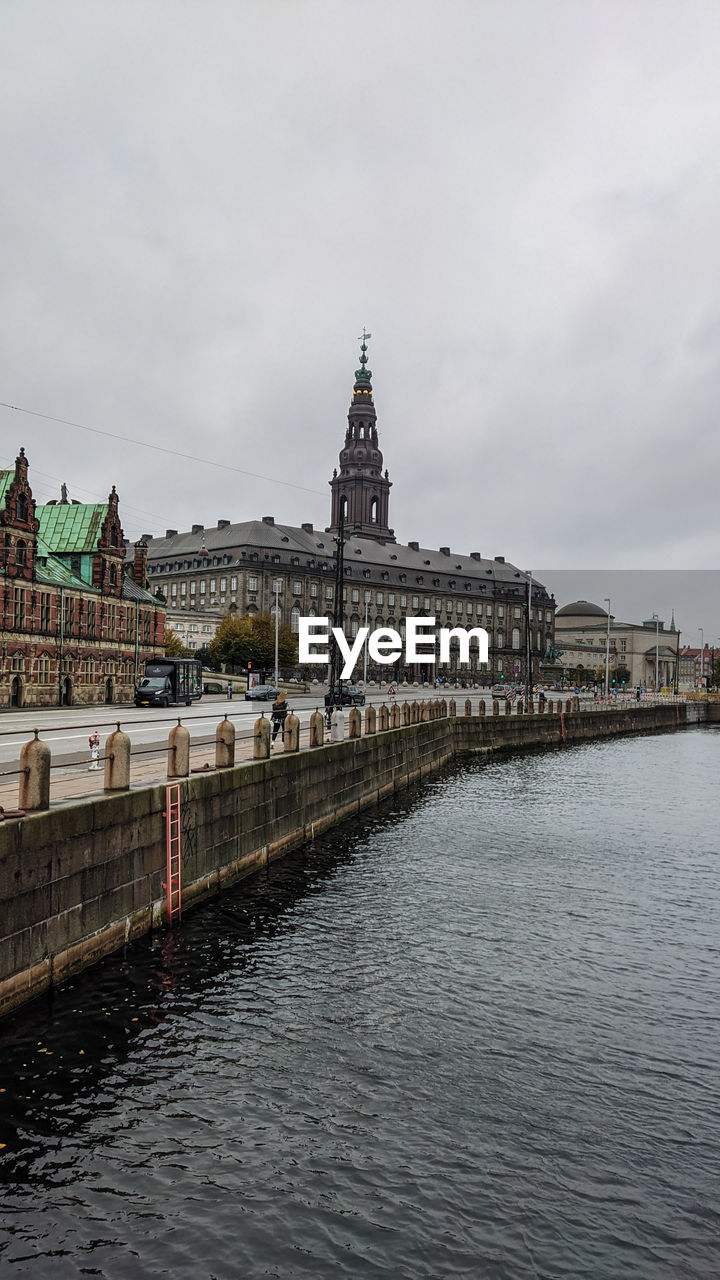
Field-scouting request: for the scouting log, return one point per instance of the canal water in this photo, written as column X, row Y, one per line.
column 475, row 1033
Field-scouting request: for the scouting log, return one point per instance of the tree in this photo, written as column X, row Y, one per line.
column 174, row 647
column 238, row 641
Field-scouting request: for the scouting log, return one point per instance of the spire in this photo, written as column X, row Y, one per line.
column 360, row 491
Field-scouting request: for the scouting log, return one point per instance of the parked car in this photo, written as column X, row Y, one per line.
column 352, row 696
column 262, row 693
column 501, row 690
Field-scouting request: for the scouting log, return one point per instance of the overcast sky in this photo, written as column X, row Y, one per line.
column 204, row 202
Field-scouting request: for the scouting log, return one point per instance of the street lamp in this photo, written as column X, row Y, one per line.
column 277, row 585
column 607, row 649
column 365, row 649
column 657, row 640
column 702, row 653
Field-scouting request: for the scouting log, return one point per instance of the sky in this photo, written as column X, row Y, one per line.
column 206, row 201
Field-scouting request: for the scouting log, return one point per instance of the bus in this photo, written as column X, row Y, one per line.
column 168, row 681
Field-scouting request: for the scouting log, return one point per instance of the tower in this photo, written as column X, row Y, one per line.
column 359, row 489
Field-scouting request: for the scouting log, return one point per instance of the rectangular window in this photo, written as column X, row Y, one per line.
column 202, row 588
column 233, row 584
column 252, row 584
column 458, row 607
column 426, row 604
column 468, row 607
column 416, row 602
column 368, row 596
column 379, row 598
column 329, row 593
column 313, row 590
column 501, row 611
column 297, row 588
column 183, row 588
column 391, row 600
column 223, row 584
column 173, row 589
column 403, row 602
column 438, row 605
column 517, row 611
column 355, row 596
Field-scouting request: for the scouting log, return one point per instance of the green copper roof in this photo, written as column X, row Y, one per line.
column 69, row 527
column 6, row 479
column 54, row 573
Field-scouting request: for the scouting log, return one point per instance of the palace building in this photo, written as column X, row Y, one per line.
column 77, row 624
column 236, row 567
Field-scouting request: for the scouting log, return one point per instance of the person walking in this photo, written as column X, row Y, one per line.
column 279, row 715
column 94, row 741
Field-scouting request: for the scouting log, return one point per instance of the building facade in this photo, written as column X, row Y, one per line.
column 236, row 567
column 641, row 653
column 77, row 625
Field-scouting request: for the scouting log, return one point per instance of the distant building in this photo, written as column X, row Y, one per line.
column 234, row 567
column 697, row 667
column 641, row 653
column 77, row 623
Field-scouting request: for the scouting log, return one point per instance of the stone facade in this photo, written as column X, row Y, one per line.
column 76, row 625
column 639, row 651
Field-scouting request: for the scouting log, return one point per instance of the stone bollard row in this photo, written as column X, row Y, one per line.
column 481, row 707
column 355, row 725
column 406, row 713
column 496, row 707
column 261, row 739
column 117, row 761
column 414, row 712
column 468, row 707
column 225, row 745
column 370, row 719
column 34, row 791
column 292, row 732
column 395, row 716
column 337, row 725
column 383, row 719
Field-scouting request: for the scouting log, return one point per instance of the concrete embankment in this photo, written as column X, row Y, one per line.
column 78, row 881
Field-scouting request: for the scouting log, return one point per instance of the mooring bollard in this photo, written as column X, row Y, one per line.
column 568, row 706
column 337, row 725
column 530, row 706
column 117, row 761
column 452, row 707
column 178, row 764
column 395, row 716
column 550, row 706
column 225, row 745
column 317, row 729
column 406, row 712
column 519, row 708
column 481, row 707
column 34, row 789
column 468, row 707
column 442, row 709
column 370, row 719
column 261, row 739
column 414, row 712
column 354, row 723
column 508, row 706
column 496, row 707
column 576, row 704
column 292, row 733
column 383, row 719
column 424, row 711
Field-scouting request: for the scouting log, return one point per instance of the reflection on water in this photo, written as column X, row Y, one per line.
column 474, row 1033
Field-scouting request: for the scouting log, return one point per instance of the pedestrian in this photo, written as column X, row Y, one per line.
column 279, row 715
column 638, row 692
column 94, row 741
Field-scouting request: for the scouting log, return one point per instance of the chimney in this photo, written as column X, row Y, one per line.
column 475, row 555
column 414, row 546
column 500, row 559
column 171, row 533
column 444, row 551
column 223, row 524
column 139, row 572
column 198, row 528
column 307, row 527
column 268, row 519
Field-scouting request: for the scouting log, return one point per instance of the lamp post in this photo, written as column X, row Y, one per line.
column 528, row 659
column 276, row 585
column 365, row 648
column 702, row 653
column 607, row 649
column 657, row 651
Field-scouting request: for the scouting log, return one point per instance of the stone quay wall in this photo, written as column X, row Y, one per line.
column 79, row 880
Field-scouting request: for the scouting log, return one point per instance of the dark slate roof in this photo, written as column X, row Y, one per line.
column 131, row 591
column 72, row 527
column 287, row 541
column 581, row 609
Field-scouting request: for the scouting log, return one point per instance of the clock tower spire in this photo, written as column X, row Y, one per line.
column 359, row 489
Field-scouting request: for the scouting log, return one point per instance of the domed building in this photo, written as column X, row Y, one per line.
column 640, row 653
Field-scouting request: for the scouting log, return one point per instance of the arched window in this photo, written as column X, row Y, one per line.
column 20, row 553
column 516, row 637
column 374, row 511
column 22, row 507
column 295, row 619
column 343, row 507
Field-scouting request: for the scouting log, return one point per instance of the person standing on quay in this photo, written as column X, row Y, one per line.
column 94, row 741
column 279, row 715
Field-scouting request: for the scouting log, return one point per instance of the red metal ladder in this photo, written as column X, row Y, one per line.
column 173, row 884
